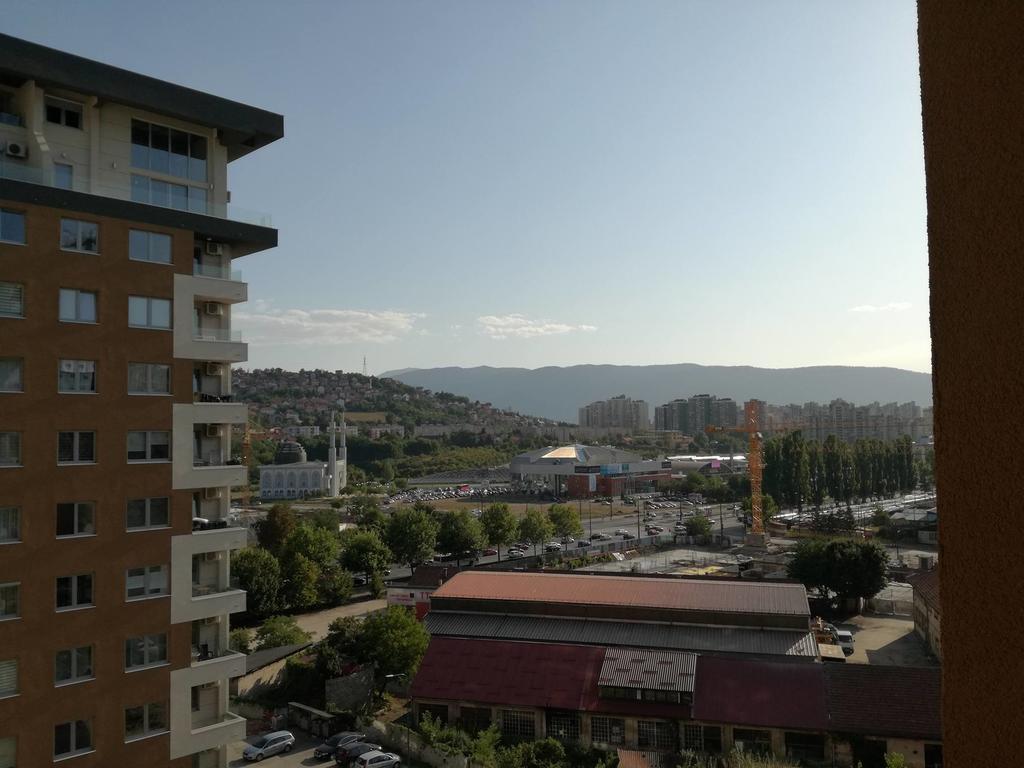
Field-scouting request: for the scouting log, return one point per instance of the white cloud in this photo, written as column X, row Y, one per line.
column 267, row 326
column 892, row 306
column 520, row 327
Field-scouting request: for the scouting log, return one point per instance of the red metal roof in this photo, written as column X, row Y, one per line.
column 876, row 700
column 760, row 693
column 677, row 594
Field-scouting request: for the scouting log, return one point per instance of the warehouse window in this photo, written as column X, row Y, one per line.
column 750, row 740
column 474, row 719
column 608, row 730
column 805, row 746
column 516, row 724
column 702, row 738
column 655, row 734
column 564, row 726
column 437, row 711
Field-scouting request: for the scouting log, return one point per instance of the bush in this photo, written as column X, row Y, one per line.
column 377, row 586
column 240, row 640
column 280, row 630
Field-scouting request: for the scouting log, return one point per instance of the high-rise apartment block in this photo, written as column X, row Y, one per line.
column 619, row 412
column 692, row 415
column 116, row 293
column 849, row 422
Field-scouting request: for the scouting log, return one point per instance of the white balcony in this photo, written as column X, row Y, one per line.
column 209, row 670
column 201, row 585
column 198, row 335
column 201, row 439
column 214, row 284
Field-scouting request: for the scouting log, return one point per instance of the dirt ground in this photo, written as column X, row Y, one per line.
column 885, row 640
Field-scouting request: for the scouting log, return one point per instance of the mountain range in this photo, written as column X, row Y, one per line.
column 557, row 392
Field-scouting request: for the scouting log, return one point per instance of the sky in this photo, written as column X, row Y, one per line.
column 556, row 182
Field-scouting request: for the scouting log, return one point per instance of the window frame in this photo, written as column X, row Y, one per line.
column 21, row 296
column 14, row 691
column 65, row 106
column 147, row 575
column 149, row 515
column 78, row 534
column 79, row 292
column 149, row 247
column 18, row 459
column 149, row 313
column 71, row 175
column 171, row 130
column 147, row 642
column 147, row 731
column 79, row 246
column 148, row 433
column 75, row 605
column 73, row 726
column 149, row 379
column 607, row 727
column 76, row 364
column 24, row 228
column 74, row 663
column 16, row 586
column 15, row 513
column 76, row 448
column 19, row 368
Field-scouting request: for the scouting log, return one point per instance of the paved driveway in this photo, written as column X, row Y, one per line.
column 884, row 640
column 301, row 754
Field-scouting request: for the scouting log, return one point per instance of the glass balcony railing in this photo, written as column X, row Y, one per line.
column 9, row 118
column 19, row 171
column 220, row 273
column 209, row 652
column 216, row 334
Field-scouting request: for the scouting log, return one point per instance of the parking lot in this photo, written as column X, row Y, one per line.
column 884, row 640
column 301, row 754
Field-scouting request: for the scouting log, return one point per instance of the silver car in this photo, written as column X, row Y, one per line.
column 270, row 744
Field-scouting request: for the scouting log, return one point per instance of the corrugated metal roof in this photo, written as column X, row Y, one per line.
column 631, row 758
column 677, row 594
column 760, row 693
column 679, row 637
column 647, row 669
column 875, row 700
column 926, row 584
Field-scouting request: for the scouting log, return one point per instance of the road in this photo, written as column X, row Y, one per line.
column 317, row 623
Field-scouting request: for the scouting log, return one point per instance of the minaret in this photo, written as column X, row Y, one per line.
column 332, row 458
column 343, row 453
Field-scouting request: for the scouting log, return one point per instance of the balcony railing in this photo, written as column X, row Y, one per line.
column 18, row 171
column 205, row 589
column 202, row 397
column 216, row 334
column 209, row 652
column 9, row 118
column 220, row 273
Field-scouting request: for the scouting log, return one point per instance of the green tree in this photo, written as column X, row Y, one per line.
column 460, row 534
column 301, row 586
column 808, row 565
column 376, row 585
column 280, row 630
column 548, row 753
column 240, row 640
column 895, row 760
column 259, row 574
column 698, row 525
column 393, row 640
column 535, row 527
column 366, row 553
column 316, row 544
column 273, row 531
column 328, row 519
column 500, row 526
column 855, row 569
column 565, row 521
column 335, row 585
column 411, row 535
column 367, row 513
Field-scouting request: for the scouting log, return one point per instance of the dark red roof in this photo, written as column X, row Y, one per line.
column 926, row 585
column 428, row 576
column 760, row 693
column 508, row 673
column 884, row 701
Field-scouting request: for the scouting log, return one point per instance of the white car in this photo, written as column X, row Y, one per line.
column 270, row 744
column 377, row 760
column 621, row 532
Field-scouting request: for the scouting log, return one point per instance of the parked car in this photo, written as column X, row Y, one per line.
column 329, row 748
column 377, row 760
column 270, row 744
column 552, row 546
column 490, row 551
column 583, row 544
column 628, row 535
column 513, row 554
column 621, row 532
column 349, row 752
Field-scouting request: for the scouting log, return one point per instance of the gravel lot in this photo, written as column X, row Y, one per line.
column 884, row 640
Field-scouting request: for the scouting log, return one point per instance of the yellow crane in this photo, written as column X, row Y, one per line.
column 755, row 466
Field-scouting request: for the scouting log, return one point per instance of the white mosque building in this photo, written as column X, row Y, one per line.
column 291, row 476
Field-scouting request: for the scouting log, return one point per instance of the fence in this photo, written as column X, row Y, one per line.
column 411, row 745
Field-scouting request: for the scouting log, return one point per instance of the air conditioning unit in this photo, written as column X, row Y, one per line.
column 16, row 149
column 214, row 249
column 211, row 493
column 213, row 369
column 213, row 308
column 213, row 430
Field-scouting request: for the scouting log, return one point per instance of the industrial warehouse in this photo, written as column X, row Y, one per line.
column 585, row 470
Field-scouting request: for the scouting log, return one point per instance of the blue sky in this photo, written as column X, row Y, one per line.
column 551, row 183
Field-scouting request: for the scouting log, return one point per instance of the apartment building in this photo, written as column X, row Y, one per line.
column 117, row 247
column 616, row 412
column 692, row 415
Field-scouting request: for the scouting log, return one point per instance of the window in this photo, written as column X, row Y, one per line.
column 655, row 734
column 145, row 312
column 74, row 591
column 564, row 726
column 145, row 720
column 12, row 300
column 518, row 725
column 76, row 376
column 756, row 741
column 10, row 605
column 149, row 379
column 10, row 449
column 63, row 176
column 805, row 746
column 12, row 374
column 10, row 525
column 166, row 150
column 76, row 447
column 148, row 513
column 73, row 665
column 145, row 582
column 149, row 246
column 671, row 697
column 608, row 730
column 63, row 112
column 702, row 738
column 74, row 738
column 76, row 519
column 474, row 719
column 149, row 446
column 8, row 678
column 8, row 749
column 78, row 235
column 145, row 651
column 77, row 306
column 12, row 226
column 167, row 195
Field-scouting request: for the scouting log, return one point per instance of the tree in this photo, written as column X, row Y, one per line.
column 460, row 533
column 259, row 574
column 327, row 519
column 548, row 753
column 367, row 513
column 500, row 526
column 280, row 630
column 393, row 640
column 535, row 527
column 808, row 565
column 855, row 569
column 698, row 525
column 335, row 585
column 301, row 587
column 273, row 531
column 365, row 553
column 411, row 534
column 316, row 544
column 565, row 521
column 241, row 640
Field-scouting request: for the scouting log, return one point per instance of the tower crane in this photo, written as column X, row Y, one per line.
column 755, row 466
